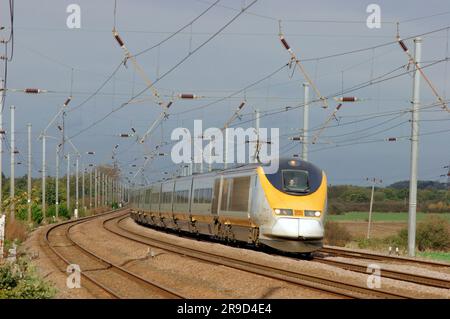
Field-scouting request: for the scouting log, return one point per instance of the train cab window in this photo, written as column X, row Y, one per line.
column 296, row 181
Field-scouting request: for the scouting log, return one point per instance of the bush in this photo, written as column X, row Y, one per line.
column 336, row 234
column 400, row 240
column 433, row 233
column 63, row 212
column 335, row 209
column 19, row 281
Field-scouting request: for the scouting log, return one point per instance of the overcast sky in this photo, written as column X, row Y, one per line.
column 46, row 51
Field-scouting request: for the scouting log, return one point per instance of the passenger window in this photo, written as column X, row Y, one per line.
column 225, row 186
column 239, row 194
column 215, row 199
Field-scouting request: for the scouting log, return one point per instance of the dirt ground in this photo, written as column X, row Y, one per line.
column 383, row 229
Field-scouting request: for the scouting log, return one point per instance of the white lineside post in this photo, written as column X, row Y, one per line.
column 105, row 191
column 95, row 188
column 114, row 191
column 414, row 150
column 43, row 176
column 76, row 188
column 100, row 189
column 83, row 205
column 13, row 163
column 29, row 173
column 370, row 209
column 57, row 183
column 305, row 122
column 90, row 189
column 68, row 184
column 102, row 198
column 2, row 134
column 2, row 233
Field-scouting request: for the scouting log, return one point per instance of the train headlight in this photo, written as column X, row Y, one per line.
column 313, row 213
column 283, row 212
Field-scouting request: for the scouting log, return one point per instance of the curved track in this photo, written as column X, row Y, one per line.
column 323, row 284
column 110, row 280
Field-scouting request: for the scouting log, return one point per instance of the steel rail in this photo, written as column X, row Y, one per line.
column 338, row 251
column 388, row 273
column 323, row 284
column 117, row 268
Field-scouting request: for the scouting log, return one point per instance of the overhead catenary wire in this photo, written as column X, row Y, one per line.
column 178, row 31
column 356, row 87
column 165, row 74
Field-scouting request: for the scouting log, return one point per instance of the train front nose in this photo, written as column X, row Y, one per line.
column 298, row 228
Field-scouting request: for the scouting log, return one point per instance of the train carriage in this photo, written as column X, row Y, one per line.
column 284, row 210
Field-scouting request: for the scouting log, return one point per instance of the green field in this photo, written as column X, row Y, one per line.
column 378, row 217
column 440, row 256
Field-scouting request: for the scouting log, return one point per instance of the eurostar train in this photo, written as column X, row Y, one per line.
column 284, row 210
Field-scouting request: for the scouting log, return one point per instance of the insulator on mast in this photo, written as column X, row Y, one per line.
column 68, row 101
column 391, row 139
column 241, row 106
column 169, row 104
column 347, row 99
column 403, row 45
column 32, row 91
column 119, row 39
column 285, row 44
column 187, row 96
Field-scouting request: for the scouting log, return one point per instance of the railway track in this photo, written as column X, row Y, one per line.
column 386, row 273
column 323, row 284
column 111, row 280
column 343, row 252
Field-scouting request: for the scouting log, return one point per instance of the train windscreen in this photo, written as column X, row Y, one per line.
column 296, row 181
